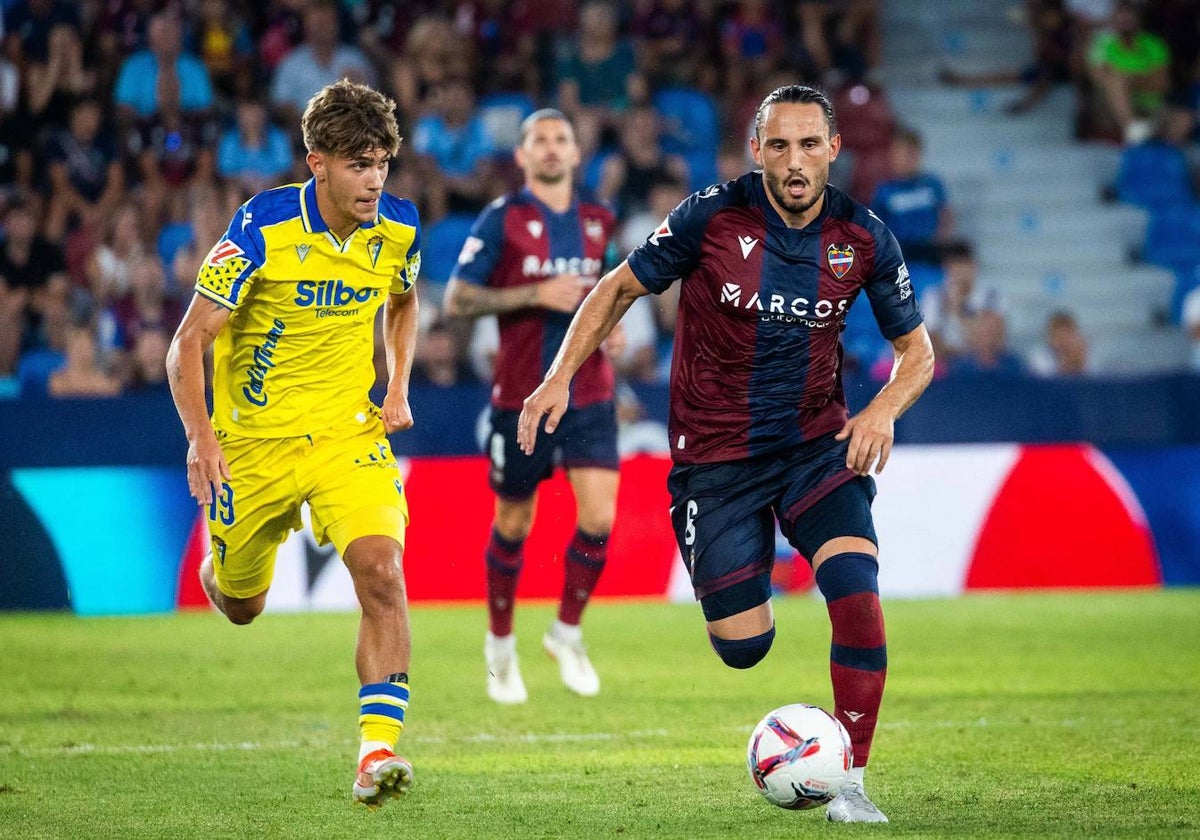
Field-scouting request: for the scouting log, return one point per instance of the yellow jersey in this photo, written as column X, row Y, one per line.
column 297, row 354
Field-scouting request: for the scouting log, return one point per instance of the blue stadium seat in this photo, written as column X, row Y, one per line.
column 1173, row 236
column 692, row 130
column 1154, row 174
column 441, row 245
column 502, row 114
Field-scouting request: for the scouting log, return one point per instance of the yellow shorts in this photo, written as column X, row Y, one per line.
column 349, row 478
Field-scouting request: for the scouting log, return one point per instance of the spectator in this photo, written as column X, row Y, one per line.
column 86, row 177
column 255, row 154
column 14, row 302
column 1130, row 68
column 674, row 38
column 752, row 42
column 1065, row 352
column 838, row 35
column 162, row 70
column 148, row 362
column 224, row 44
column 599, row 71
column 82, row 376
column 913, row 203
column 949, row 308
column 16, row 145
column 432, row 57
column 320, row 60
column 438, row 361
column 987, row 347
column 51, row 51
column 111, row 263
column 173, row 151
column 146, row 305
column 456, row 139
column 34, row 266
column 629, row 173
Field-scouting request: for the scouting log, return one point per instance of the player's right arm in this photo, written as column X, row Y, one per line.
column 560, row 293
column 600, row 312
column 206, row 465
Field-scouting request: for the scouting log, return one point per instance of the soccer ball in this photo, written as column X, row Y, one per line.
column 799, row 756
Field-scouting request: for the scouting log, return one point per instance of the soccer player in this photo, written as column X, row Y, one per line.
column 530, row 259
column 770, row 263
column 289, row 295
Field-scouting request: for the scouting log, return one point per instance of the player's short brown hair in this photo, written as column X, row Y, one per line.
column 346, row 119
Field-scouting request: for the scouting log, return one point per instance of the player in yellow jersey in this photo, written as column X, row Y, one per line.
column 288, row 298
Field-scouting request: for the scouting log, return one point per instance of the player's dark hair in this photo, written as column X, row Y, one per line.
column 347, row 119
column 528, row 123
column 799, row 95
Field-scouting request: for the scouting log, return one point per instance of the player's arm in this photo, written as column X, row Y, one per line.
column 872, row 430
column 560, row 293
column 600, row 312
column 206, row 465
column 400, row 327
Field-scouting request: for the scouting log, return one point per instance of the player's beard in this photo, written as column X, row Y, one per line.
column 552, row 177
column 778, row 189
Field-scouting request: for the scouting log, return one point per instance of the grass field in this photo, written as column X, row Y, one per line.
column 1006, row 716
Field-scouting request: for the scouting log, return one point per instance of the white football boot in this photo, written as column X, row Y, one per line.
column 852, row 805
column 564, row 644
column 504, row 683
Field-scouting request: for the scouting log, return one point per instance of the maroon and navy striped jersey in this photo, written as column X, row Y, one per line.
column 518, row 240
column 757, row 364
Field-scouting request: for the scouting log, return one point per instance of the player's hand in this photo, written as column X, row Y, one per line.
column 549, row 401
column 206, row 467
column 614, row 345
column 871, row 433
column 397, row 416
column 560, row 293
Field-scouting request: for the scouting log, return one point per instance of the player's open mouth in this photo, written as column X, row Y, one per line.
column 797, row 185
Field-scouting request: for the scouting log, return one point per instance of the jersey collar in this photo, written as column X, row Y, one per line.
column 310, row 216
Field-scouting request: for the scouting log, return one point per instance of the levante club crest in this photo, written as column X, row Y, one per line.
column 841, row 259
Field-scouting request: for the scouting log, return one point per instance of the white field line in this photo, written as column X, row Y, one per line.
column 532, row 738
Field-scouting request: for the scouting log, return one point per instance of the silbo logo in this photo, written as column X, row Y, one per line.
column 330, row 293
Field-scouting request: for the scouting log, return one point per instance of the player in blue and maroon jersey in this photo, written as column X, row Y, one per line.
column 770, row 263
column 530, row 259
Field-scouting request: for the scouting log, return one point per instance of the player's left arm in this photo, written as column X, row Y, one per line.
column 400, row 327
column 873, row 430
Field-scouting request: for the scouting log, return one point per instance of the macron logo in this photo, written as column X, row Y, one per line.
column 747, row 243
column 854, row 716
column 663, row 230
column 731, row 293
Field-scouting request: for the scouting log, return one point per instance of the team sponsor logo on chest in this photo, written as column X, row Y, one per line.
column 792, row 309
column 593, row 229
column 841, row 259
column 535, row 266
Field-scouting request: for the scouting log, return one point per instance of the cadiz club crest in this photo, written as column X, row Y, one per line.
column 841, row 259
column 375, row 244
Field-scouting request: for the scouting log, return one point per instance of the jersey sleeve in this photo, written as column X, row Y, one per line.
column 482, row 248
column 890, row 290
column 406, row 277
column 672, row 250
column 228, row 270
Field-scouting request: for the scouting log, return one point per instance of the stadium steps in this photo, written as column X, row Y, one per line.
column 1024, row 191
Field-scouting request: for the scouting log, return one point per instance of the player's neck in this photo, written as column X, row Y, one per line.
column 556, row 196
column 798, row 220
column 339, row 224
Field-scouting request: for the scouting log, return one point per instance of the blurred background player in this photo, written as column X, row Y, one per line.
column 292, row 420
column 759, row 428
column 531, row 257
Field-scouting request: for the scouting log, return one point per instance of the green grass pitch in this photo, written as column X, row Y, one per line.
column 1006, row 716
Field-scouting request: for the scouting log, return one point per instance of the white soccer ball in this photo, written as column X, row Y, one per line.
column 799, row 756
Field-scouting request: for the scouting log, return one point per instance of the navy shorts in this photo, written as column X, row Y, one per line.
column 585, row 437
column 724, row 514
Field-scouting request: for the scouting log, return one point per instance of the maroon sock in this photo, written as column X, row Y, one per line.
column 858, row 655
column 585, row 561
column 504, row 558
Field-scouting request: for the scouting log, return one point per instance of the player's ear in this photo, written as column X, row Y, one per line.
column 519, row 157
column 316, row 165
column 835, row 146
column 756, row 149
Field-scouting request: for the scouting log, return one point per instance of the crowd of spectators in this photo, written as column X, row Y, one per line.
column 130, row 131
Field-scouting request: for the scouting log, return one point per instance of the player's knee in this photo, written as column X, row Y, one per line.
column 242, row 612
column 743, row 653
